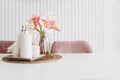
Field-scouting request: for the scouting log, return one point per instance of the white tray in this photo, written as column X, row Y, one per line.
column 10, row 57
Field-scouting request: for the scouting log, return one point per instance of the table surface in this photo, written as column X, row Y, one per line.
column 72, row 66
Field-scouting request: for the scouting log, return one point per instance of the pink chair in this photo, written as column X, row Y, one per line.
column 71, row 47
column 4, row 45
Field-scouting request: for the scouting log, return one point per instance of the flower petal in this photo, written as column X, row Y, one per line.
column 35, row 20
column 54, row 26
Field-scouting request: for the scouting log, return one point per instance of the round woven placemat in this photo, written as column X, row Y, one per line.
column 44, row 59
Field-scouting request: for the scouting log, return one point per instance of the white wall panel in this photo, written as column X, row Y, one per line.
column 112, row 26
column 78, row 19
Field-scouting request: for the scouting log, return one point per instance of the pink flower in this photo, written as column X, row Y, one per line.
column 44, row 24
column 51, row 24
column 35, row 20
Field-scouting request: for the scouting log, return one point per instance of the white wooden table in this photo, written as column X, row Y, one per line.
column 70, row 67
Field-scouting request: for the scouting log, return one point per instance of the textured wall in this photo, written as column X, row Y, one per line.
column 111, row 26
column 78, row 19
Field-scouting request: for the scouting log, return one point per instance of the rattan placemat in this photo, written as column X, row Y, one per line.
column 44, row 59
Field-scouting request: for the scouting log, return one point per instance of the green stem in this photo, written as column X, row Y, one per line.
column 37, row 29
column 40, row 25
column 41, row 30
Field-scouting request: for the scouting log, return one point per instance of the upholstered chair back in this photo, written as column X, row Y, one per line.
column 4, row 45
column 71, row 47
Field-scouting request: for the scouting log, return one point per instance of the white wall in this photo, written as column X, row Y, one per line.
column 111, row 26
column 78, row 19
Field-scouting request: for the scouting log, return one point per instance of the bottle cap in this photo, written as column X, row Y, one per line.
column 22, row 28
column 26, row 28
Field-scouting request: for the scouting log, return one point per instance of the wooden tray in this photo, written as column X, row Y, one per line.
column 44, row 59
